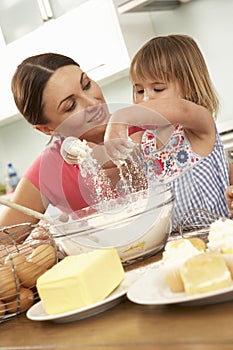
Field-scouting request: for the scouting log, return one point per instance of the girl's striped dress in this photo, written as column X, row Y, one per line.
column 198, row 183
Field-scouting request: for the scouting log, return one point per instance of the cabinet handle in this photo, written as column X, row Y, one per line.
column 45, row 10
column 96, row 67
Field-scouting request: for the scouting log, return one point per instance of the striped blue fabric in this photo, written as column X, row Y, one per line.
column 200, row 191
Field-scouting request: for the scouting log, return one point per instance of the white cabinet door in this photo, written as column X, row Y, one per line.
column 90, row 34
column 7, row 105
column 15, row 21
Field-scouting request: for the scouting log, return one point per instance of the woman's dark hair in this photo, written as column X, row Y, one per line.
column 29, row 81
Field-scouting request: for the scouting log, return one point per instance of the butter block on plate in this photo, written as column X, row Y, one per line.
column 80, row 280
column 204, row 273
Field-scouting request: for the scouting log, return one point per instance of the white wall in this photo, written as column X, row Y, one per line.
column 19, row 144
column 208, row 21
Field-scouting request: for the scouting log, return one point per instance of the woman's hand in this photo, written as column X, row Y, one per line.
column 75, row 151
column 41, row 235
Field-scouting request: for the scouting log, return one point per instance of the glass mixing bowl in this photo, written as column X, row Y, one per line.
column 137, row 225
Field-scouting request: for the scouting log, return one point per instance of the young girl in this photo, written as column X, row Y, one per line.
column 181, row 145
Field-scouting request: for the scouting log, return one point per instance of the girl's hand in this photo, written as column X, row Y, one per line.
column 116, row 140
column 229, row 199
column 119, row 149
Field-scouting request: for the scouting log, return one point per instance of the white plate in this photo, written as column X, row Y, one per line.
column 152, row 289
column 37, row 312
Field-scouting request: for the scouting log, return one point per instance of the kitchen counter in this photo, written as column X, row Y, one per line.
column 128, row 326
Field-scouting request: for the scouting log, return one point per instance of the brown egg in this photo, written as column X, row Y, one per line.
column 14, row 260
column 44, row 255
column 22, row 302
column 8, row 283
column 2, row 308
column 28, row 272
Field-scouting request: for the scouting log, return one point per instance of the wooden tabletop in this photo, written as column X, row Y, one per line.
column 128, row 326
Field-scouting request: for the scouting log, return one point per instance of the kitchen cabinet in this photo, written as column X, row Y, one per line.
column 15, row 21
column 91, row 33
column 59, row 7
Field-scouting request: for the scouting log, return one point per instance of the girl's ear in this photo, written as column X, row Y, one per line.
column 44, row 129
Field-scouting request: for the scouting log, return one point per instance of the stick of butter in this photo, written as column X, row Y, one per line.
column 80, row 280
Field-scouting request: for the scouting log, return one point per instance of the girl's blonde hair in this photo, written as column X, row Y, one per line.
column 177, row 58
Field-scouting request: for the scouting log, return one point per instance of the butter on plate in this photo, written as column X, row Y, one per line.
column 80, row 280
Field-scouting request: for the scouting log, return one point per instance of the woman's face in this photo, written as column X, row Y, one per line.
column 74, row 104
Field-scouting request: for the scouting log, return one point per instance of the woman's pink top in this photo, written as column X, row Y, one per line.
column 60, row 182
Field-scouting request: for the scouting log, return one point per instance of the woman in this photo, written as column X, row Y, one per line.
column 57, row 98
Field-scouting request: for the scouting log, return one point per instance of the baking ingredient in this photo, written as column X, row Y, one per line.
column 178, row 251
column 2, row 308
column 28, row 272
column 22, row 302
column 13, row 260
column 220, row 239
column 175, row 254
column 221, row 236
column 8, row 283
column 75, row 151
column 197, row 243
column 44, row 255
column 80, row 280
column 205, row 272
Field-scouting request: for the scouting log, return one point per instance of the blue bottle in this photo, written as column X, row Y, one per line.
column 12, row 175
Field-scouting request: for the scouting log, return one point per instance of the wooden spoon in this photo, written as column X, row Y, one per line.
column 40, row 216
column 27, row 211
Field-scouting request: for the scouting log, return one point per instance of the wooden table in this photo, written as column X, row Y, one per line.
column 128, row 326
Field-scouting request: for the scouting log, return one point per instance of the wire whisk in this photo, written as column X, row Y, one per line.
column 196, row 222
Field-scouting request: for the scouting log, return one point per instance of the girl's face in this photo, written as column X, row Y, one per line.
column 74, row 104
column 145, row 90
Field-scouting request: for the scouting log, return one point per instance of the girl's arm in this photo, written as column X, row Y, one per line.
column 180, row 111
column 163, row 114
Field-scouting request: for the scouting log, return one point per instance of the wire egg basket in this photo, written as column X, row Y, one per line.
column 20, row 266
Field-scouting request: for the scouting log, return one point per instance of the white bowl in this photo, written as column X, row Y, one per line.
column 136, row 225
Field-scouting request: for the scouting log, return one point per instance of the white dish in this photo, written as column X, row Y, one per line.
column 37, row 312
column 152, row 289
